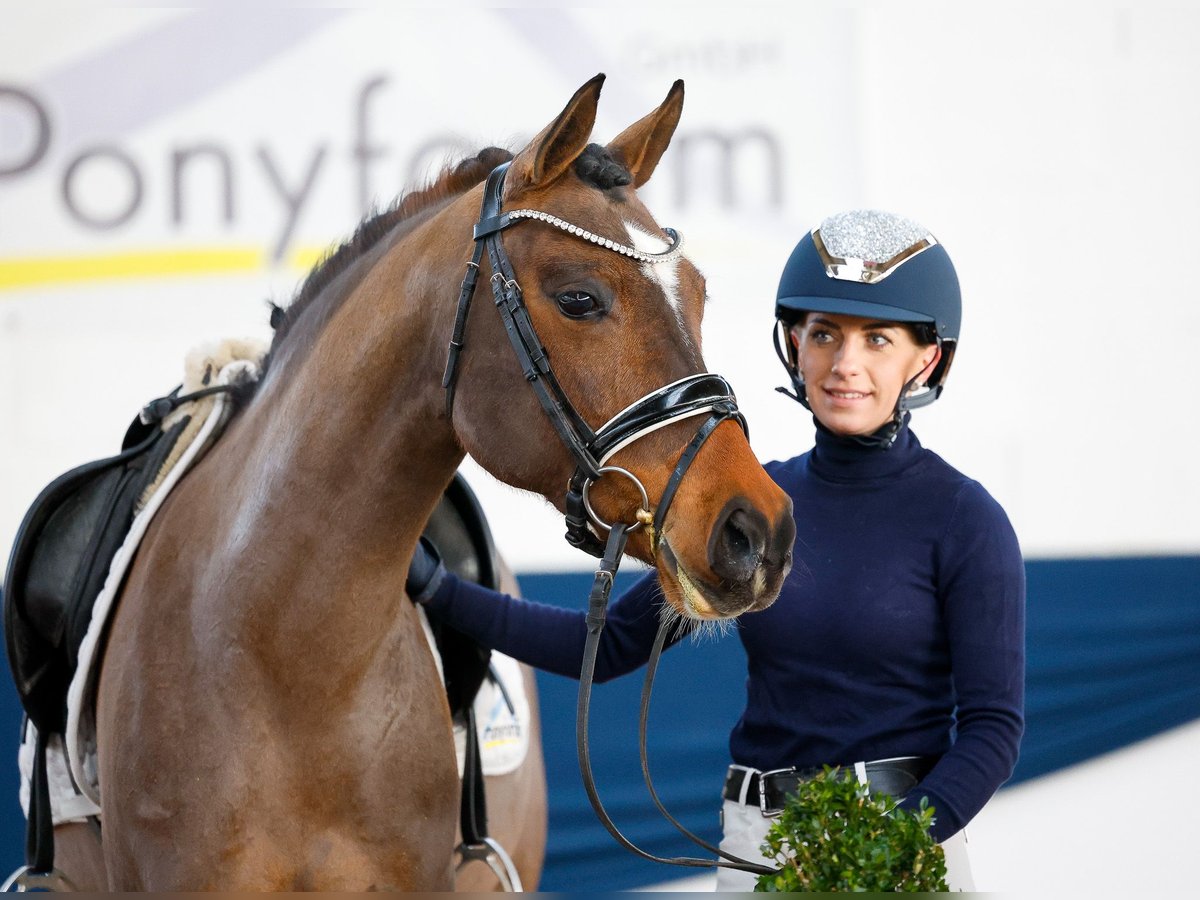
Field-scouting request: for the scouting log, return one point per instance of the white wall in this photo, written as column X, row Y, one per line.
column 1052, row 149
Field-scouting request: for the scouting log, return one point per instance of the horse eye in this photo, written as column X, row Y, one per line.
column 576, row 303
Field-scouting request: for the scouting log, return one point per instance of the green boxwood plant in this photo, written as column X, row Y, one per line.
column 835, row 835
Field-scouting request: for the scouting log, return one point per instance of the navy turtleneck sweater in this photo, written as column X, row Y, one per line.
column 899, row 632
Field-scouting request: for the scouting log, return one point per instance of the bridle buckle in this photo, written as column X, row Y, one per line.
column 509, row 284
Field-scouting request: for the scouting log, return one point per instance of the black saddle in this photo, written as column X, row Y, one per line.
column 459, row 529
column 59, row 563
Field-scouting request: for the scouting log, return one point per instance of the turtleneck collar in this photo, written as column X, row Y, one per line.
column 838, row 458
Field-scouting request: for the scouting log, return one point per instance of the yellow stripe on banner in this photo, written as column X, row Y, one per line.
column 32, row 271
column 46, row 270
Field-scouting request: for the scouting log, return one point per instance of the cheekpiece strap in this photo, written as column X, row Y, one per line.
column 490, row 223
column 531, row 354
column 720, row 413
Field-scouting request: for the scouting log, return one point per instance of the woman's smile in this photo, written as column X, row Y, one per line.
column 846, row 395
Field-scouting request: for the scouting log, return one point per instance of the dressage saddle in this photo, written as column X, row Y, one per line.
column 59, row 563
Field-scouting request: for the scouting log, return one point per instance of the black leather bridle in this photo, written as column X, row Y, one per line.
column 591, row 449
column 695, row 395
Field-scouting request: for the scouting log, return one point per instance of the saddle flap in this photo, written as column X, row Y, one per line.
column 59, row 562
column 59, row 554
column 459, row 529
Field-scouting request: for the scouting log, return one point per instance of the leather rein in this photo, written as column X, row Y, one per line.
column 695, row 395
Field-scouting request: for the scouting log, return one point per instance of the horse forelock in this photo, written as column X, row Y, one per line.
column 595, row 166
column 452, row 181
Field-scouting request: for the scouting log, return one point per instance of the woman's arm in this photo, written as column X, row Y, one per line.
column 981, row 583
column 552, row 637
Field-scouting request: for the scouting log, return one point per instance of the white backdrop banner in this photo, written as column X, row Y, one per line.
column 165, row 172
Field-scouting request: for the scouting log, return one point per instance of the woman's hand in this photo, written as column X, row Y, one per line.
column 425, row 572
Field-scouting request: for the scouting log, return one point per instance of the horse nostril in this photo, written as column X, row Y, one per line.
column 738, row 543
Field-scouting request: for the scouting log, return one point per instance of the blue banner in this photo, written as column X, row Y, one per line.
column 1113, row 657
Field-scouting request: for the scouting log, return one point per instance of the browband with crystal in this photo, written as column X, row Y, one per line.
column 672, row 252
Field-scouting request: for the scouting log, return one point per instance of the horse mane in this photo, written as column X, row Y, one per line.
column 453, row 180
column 594, row 166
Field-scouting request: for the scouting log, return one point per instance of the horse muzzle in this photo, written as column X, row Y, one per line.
column 748, row 559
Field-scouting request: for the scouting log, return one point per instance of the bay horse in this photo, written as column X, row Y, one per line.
column 269, row 714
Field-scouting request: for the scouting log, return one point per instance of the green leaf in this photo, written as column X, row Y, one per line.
column 835, row 835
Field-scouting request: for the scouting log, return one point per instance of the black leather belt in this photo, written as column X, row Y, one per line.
column 769, row 790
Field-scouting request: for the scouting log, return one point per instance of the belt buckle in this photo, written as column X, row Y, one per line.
column 762, row 789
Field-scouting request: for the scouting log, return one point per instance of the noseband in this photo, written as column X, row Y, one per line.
column 694, row 395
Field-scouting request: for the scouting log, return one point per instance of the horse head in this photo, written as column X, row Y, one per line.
column 618, row 312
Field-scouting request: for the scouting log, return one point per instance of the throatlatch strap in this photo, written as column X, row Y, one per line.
column 465, row 293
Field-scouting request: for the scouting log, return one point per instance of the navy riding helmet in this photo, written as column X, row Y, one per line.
column 875, row 264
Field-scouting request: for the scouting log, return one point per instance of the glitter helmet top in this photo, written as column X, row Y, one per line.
column 870, row 263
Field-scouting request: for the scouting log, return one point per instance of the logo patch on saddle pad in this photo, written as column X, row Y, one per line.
column 503, row 729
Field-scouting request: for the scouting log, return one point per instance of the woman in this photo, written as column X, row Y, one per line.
column 896, row 647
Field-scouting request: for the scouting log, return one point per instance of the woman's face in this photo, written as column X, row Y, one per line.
column 854, row 368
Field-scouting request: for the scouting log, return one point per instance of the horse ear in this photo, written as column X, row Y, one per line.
column 560, row 143
column 640, row 146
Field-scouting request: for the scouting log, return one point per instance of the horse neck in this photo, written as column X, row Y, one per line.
column 347, row 444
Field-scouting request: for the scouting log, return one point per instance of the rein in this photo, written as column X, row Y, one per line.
column 695, row 395
column 597, row 610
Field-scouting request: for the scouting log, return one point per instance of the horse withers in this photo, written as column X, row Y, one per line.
column 269, row 713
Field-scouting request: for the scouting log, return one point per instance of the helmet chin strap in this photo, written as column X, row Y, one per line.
column 778, row 336
column 883, row 437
